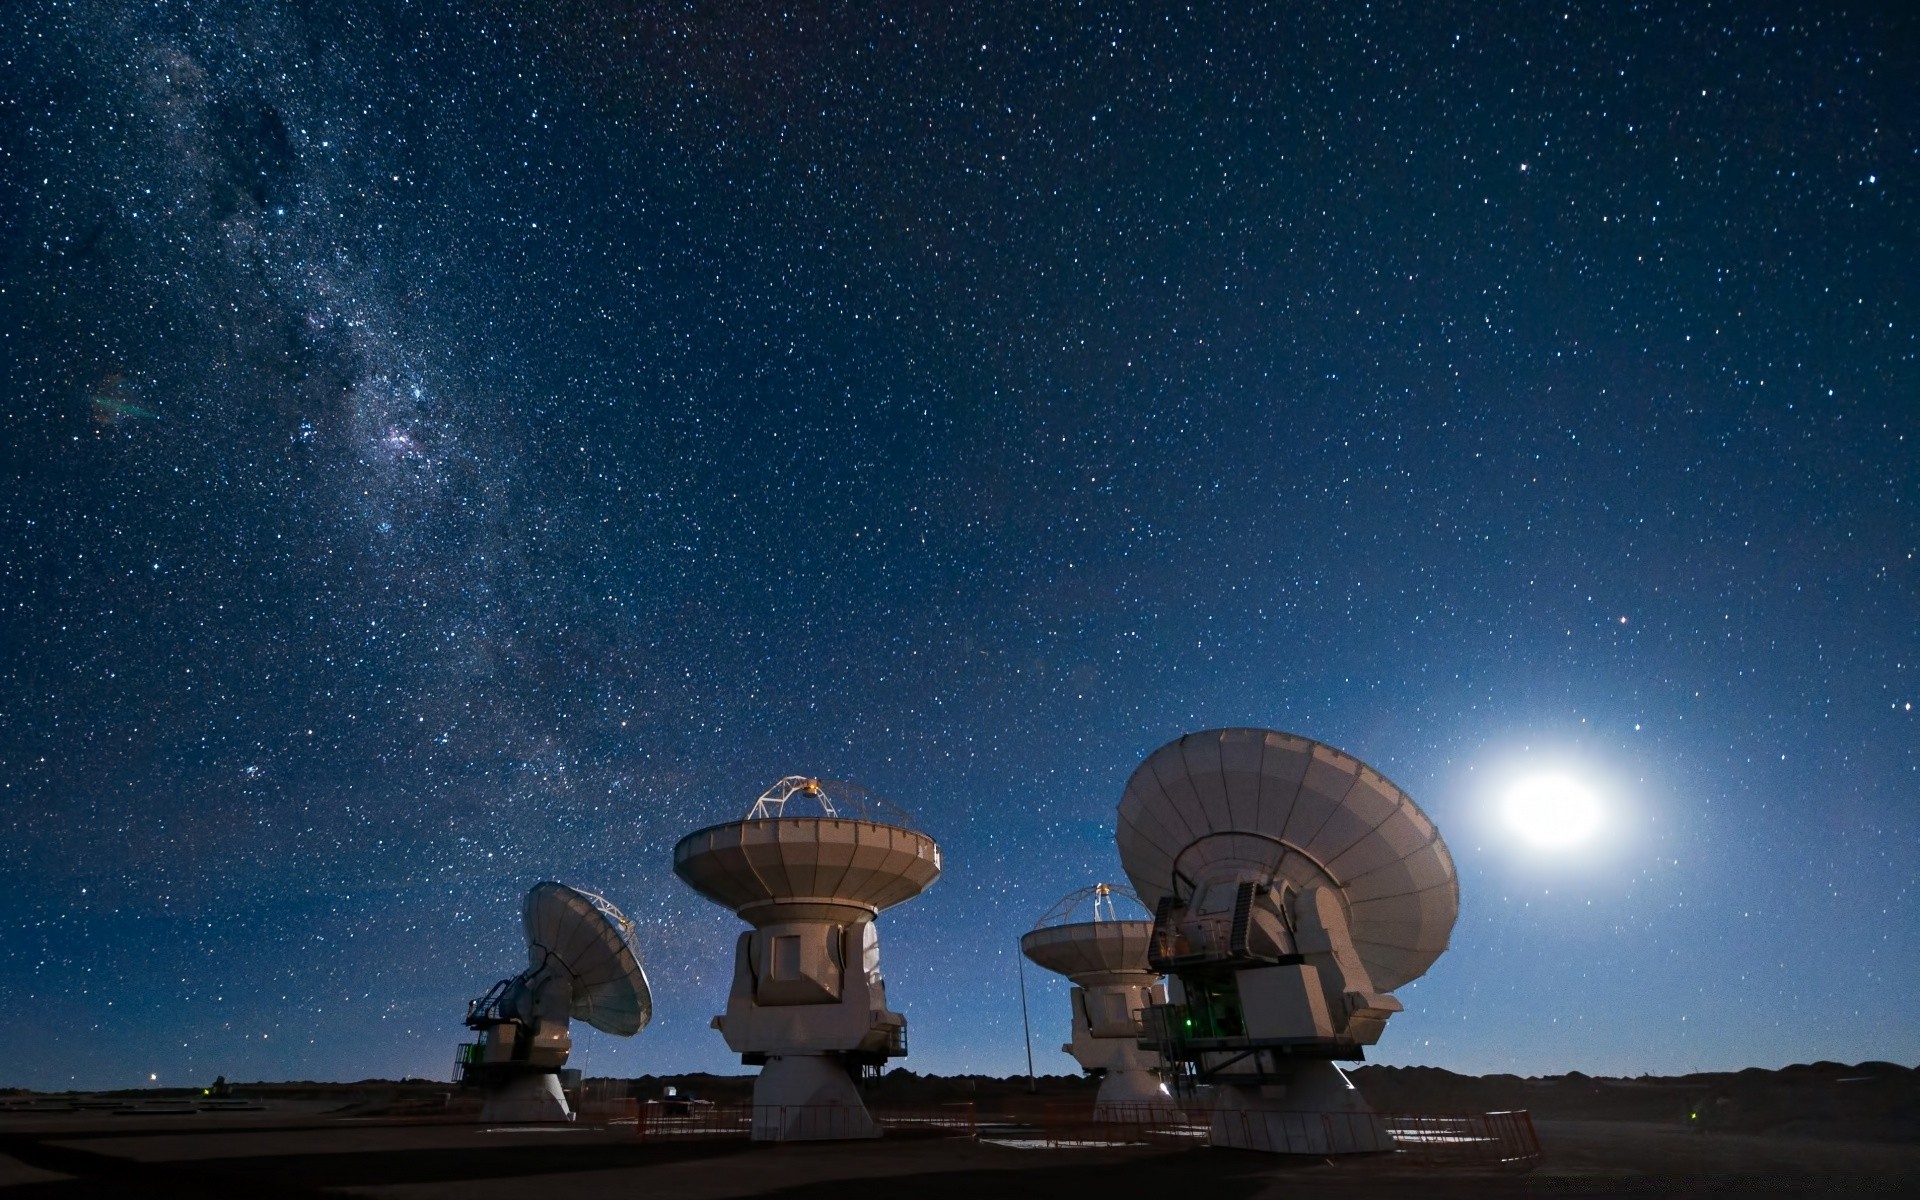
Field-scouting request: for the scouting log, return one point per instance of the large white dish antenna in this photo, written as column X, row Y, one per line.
column 1279, row 809
column 580, row 936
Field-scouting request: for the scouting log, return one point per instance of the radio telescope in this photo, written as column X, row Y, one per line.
column 808, row 1005
column 1105, row 956
column 581, row 963
column 1293, row 888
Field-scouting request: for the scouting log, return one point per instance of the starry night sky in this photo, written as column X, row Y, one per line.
column 449, row 447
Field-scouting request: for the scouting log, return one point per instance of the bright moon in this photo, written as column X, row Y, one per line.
column 1552, row 811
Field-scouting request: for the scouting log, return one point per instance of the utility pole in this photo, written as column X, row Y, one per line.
column 1033, row 1085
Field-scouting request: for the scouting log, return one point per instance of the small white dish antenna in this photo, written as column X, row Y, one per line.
column 580, row 936
column 582, row 964
column 1084, row 937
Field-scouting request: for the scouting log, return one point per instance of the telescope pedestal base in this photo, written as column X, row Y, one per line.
column 808, row 1097
column 527, row 1099
column 1315, row 1112
column 1133, row 1096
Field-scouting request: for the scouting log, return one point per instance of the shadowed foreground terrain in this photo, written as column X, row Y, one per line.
column 1871, row 1101
column 1810, row 1130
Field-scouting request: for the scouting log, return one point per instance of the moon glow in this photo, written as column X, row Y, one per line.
column 1552, row 812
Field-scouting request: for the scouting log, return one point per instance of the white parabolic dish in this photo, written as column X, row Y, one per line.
column 1091, row 948
column 1279, row 808
column 582, row 937
column 765, row 868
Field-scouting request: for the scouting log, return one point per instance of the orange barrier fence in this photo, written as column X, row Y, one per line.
column 670, row 1121
column 1497, row 1139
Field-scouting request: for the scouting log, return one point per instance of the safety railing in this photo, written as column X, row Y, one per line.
column 1125, row 1124
column 659, row 1121
column 938, row 1120
column 1313, row 1133
column 1505, row 1139
column 1497, row 1139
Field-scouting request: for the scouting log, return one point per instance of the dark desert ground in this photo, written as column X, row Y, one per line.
column 1815, row 1129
